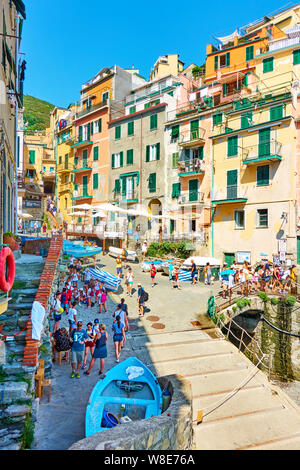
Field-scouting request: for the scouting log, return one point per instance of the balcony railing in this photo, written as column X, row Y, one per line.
column 194, row 165
column 191, row 196
column 153, row 90
column 229, row 194
column 128, row 196
column 82, row 112
column 268, row 151
column 82, row 166
column 192, row 137
column 81, row 193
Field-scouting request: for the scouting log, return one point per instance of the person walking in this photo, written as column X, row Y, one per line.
column 193, row 272
column 103, row 298
column 89, row 344
column 153, row 274
column 57, row 311
column 72, row 317
column 78, row 338
column 207, row 270
column 64, row 300
column 100, row 351
column 141, row 300
column 122, row 314
column 44, row 227
column 175, row 278
column 129, row 281
column 118, row 329
column 144, row 249
column 119, row 267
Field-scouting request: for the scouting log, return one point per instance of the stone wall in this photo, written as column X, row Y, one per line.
column 34, row 246
column 173, row 429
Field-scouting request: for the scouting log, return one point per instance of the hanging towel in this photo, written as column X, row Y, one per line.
column 37, row 317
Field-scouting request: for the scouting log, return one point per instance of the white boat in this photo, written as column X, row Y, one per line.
column 201, row 261
column 115, row 252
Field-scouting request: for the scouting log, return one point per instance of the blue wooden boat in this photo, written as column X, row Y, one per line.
column 81, row 251
column 116, row 396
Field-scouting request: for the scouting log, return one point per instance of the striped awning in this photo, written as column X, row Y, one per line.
column 110, row 281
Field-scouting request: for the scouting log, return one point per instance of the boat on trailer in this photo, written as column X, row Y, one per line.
column 129, row 392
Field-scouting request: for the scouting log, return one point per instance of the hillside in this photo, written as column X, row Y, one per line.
column 36, row 113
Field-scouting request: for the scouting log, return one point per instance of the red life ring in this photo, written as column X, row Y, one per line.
column 6, row 255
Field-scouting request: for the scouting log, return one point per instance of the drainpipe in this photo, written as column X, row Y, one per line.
column 16, row 129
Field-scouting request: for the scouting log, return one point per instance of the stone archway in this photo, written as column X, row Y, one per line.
column 155, row 225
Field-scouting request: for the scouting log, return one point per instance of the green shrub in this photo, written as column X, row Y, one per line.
column 274, row 300
column 3, row 374
column 43, row 349
column 27, row 433
column 290, row 301
column 243, row 302
column 263, row 296
column 19, row 285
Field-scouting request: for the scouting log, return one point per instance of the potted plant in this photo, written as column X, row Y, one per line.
column 12, row 240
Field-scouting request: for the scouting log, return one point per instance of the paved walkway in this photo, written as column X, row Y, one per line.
column 258, row 416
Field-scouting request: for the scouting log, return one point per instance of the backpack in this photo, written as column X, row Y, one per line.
column 145, row 296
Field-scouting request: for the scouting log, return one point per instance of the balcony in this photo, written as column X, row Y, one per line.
column 129, row 196
column 189, row 197
column 66, row 187
column 81, row 167
column 48, row 174
column 153, row 90
column 63, row 168
column 81, row 111
column 80, row 142
column 194, row 166
column 192, row 138
column 267, row 152
column 228, row 195
column 81, row 194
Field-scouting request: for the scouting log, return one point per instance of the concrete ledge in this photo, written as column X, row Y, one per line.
column 173, row 429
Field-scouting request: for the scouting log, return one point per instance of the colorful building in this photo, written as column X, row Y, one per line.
column 166, row 65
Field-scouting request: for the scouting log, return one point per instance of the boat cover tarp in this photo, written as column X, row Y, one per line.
column 110, row 281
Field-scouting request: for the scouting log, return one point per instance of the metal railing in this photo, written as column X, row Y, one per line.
column 192, row 135
column 190, row 196
column 130, row 194
column 267, row 149
column 155, row 89
column 80, row 111
column 230, row 192
column 193, row 164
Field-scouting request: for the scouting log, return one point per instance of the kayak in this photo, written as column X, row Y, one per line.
column 129, row 392
column 115, row 252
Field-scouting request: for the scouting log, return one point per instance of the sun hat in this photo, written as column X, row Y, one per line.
column 60, row 310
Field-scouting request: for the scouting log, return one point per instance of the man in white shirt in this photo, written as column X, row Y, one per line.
column 72, row 317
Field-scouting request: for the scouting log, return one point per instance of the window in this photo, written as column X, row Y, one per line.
column 193, row 190
column 222, row 60
column 276, row 112
column 175, row 158
column 263, row 175
column 117, row 132
column 44, row 169
column 246, row 119
column 153, row 152
column 132, row 109
column 130, row 128
column 296, row 57
column 232, row 146
column 268, row 64
column 95, row 153
column 152, row 182
column 239, row 220
column 96, row 127
column 217, row 119
column 129, row 157
column 249, row 53
column 117, row 160
column 262, row 218
column 95, row 181
column 176, row 188
column 84, row 158
column 51, row 169
column 66, row 178
column 30, row 173
column 175, row 132
column 105, row 96
column 59, row 160
column 66, row 161
column 153, row 122
column 147, row 105
column 32, row 157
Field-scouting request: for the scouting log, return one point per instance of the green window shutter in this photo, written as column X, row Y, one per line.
column 96, row 153
column 100, row 124
column 132, row 109
column 32, row 157
column 194, row 128
column 85, row 158
column 249, row 53
column 217, row 119
column 216, row 62
column 175, row 190
column 200, row 153
column 175, row 132
column 227, row 59
column 158, row 151
column 129, row 157
column 232, row 146
column 80, row 134
column 118, row 132
column 105, row 96
column 113, row 160
column 147, row 105
column 130, row 128
column 224, row 89
column 246, row 119
column 92, row 128
column 232, row 181
column 175, row 158
column 152, row 182
column 79, row 220
column 246, row 78
column 296, row 57
column 95, row 181
column 124, row 184
column 121, row 158
column 276, row 112
column 117, row 189
column 193, row 190
column 264, row 142
column 72, row 178
column 153, row 122
column 156, row 102
column 89, row 131
column 268, row 64
column 76, row 187
column 262, row 175
column 148, row 153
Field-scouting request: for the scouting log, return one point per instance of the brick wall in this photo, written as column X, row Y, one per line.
column 30, row 358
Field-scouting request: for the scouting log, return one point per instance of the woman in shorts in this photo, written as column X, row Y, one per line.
column 103, row 298
column 100, row 351
column 129, row 281
column 118, row 329
column 89, row 344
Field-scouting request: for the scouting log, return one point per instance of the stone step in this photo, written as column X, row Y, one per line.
column 139, row 341
column 248, row 429
column 290, row 442
column 10, row 392
column 244, row 401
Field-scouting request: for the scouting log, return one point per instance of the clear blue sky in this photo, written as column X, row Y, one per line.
column 68, row 41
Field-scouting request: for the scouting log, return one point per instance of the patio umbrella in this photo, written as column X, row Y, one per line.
column 85, row 207
column 227, row 272
column 106, row 206
column 77, row 213
column 99, row 214
column 25, row 216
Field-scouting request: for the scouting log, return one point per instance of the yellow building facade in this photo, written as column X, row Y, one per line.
column 166, row 65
